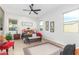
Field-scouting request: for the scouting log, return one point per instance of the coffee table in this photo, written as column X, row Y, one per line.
column 34, row 38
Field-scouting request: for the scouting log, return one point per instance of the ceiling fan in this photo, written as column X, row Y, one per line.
column 32, row 10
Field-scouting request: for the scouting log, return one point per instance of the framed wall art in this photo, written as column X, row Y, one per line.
column 51, row 26
column 27, row 24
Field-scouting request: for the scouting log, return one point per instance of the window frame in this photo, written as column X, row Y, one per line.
column 68, row 12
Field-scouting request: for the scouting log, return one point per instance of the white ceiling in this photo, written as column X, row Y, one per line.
column 18, row 9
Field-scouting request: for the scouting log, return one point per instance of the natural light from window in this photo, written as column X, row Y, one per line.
column 41, row 25
column 71, row 21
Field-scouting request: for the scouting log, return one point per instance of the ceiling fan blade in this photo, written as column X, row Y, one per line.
column 32, row 4
column 31, row 7
column 25, row 10
column 29, row 12
column 37, row 10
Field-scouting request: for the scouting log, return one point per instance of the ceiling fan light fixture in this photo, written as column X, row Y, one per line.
column 32, row 10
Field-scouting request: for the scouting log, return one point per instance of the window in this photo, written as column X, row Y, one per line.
column 71, row 21
column 12, row 25
column 41, row 25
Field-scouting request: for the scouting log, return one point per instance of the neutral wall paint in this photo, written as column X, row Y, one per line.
column 19, row 19
column 60, row 36
column 0, row 32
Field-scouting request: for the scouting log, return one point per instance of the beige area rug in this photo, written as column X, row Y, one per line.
column 44, row 48
column 35, row 43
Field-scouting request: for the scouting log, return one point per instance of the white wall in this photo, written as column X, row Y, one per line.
column 59, row 35
column 1, row 32
column 19, row 19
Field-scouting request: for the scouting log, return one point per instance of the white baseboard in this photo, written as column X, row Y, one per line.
column 56, row 43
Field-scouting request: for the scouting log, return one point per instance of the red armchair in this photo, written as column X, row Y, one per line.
column 6, row 46
column 39, row 34
column 16, row 36
column 3, row 53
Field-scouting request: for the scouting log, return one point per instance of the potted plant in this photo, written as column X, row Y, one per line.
column 9, row 37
